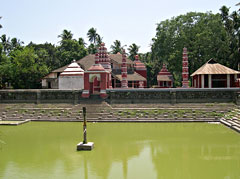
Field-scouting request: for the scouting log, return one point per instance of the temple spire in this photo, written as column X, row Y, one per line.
column 124, row 71
column 185, row 82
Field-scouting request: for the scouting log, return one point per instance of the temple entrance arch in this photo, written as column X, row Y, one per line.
column 94, row 80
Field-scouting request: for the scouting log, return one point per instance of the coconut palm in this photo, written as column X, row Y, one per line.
column 5, row 43
column 92, row 35
column 99, row 40
column 66, row 35
column 15, row 43
column 116, row 47
column 133, row 50
column 82, row 42
column 0, row 24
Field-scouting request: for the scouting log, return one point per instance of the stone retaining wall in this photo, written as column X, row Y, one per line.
column 40, row 96
column 172, row 96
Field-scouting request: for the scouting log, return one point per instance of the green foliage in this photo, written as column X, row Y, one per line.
column 92, row 49
column 202, row 33
column 27, row 69
column 70, row 50
column 0, row 24
column 133, row 51
column 92, row 35
column 95, row 40
column 232, row 26
column 66, row 35
column 48, row 53
column 116, row 47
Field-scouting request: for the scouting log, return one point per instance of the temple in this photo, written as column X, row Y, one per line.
column 71, row 77
column 215, row 75
column 165, row 78
column 116, row 70
column 94, row 74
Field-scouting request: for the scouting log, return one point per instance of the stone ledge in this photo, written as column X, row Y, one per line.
column 87, row 146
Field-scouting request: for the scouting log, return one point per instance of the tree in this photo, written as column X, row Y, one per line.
column 48, row 53
column 92, row 35
column 15, row 43
column 99, row 40
column 26, row 69
column 66, row 35
column 5, row 43
column 133, row 50
column 232, row 25
column 202, row 33
column 116, row 47
column 0, row 24
column 70, row 50
column 82, row 42
column 92, row 49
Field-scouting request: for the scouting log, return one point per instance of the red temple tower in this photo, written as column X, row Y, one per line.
column 104, row 60
column 185, row 82
column 124, row 83
column 140, row 68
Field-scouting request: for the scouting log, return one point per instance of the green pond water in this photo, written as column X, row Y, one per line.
column 122, row 150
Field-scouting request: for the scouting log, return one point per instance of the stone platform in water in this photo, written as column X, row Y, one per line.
column 87, row 146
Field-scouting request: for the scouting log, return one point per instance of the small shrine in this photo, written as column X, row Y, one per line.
column 72, row 77
column 165, row 78
column 96, row 80
column 215, row 75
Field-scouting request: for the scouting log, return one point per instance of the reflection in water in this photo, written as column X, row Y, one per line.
column 47, row 150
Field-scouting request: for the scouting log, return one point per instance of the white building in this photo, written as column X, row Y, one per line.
column 72, row 77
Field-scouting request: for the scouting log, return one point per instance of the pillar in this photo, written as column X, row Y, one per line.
column 141, row 84
column 185, row 82
column 124, row 71
column 209, row 81
column 202, row 81
column 228, row 81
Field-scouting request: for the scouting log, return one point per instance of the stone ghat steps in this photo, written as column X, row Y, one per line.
column 122, row 120
column 232, row 124
column 105, row 111
column 185, row 105
column 106, row 115
column 109, row 114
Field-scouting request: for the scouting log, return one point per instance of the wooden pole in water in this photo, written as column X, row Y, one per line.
column 84, row 126
column 85, row 145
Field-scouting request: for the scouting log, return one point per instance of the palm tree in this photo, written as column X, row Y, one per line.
column 99, row 40
column 116, row 47
column 0, row 24
column 133, row 50
column 92, row 49
column 15, row 43
column 5, row 43
column 82, row 42
column 66, row 35
column 92, row 35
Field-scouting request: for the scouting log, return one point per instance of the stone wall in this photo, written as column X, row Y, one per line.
column 40, row 96
column 172, row 96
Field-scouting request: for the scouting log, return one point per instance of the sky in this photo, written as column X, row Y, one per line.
column 130, row 21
